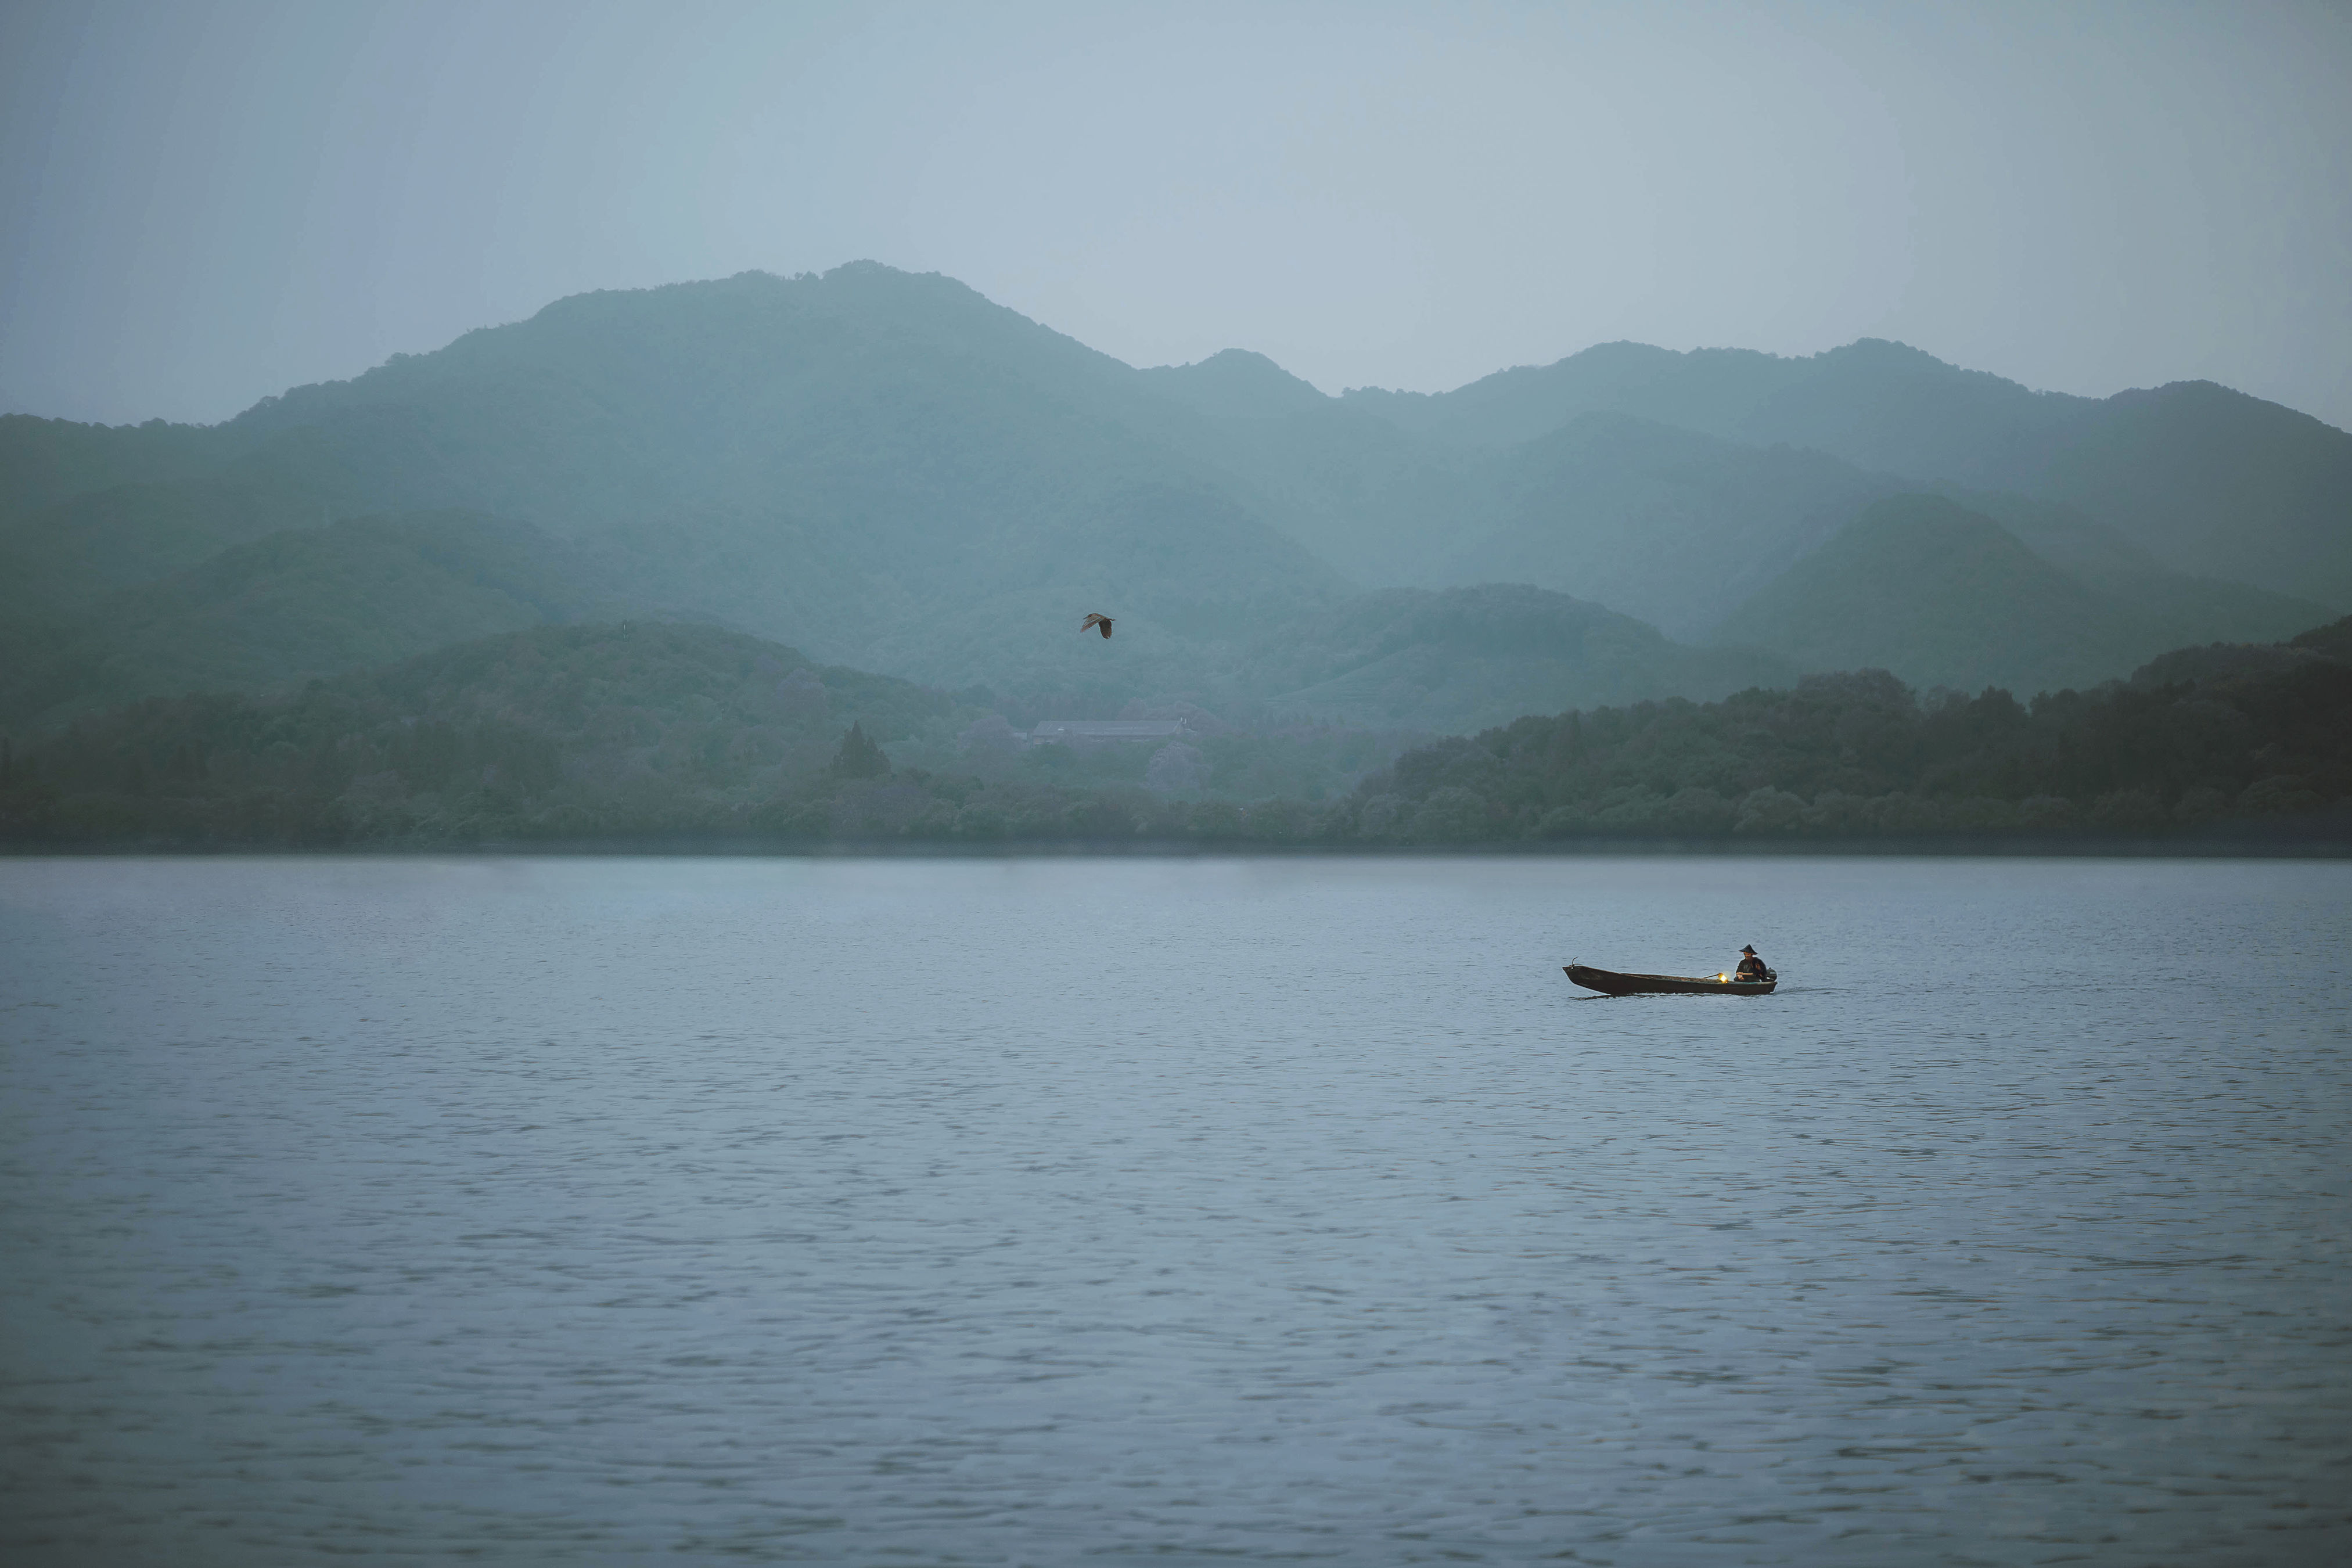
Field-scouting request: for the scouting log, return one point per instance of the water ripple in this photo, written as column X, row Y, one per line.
column 586, row 1212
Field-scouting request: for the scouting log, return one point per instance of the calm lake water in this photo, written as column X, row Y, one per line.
column 1040, row 1210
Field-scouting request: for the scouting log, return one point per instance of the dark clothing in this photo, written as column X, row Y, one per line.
column 1750, row 968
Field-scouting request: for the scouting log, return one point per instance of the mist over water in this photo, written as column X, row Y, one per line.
column 1026, row 1211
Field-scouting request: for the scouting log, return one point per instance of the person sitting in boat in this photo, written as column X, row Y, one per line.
column 1750, row 967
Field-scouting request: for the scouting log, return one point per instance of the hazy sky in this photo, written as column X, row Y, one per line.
column 204, row 204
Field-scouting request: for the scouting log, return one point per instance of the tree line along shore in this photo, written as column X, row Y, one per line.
column 649, row 731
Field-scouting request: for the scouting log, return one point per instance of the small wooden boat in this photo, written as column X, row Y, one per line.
column 1611, row 982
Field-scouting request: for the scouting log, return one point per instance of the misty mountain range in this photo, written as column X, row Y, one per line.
column 890, row 473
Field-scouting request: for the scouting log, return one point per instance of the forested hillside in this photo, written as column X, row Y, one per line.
column 597, row 732
column 295, row 606
column 884, row 468
column 1666, row 524
column 610, row 734
column 2203, row 736
column 320, row 601
column 44, row 462
column 895, row 473
column 2215, row 483
column 1946, row 596
column 1464, row 658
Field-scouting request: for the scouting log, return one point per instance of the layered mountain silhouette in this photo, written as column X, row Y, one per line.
column 2212, row 481
column 300, row 605
column 1463, row 659
column 1666, row 524
column 1942, row 595
column 891, row 472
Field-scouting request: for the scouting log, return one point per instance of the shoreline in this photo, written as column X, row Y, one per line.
column 2247, row 846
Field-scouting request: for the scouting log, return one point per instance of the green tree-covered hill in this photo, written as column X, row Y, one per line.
column 1665, row 524
column 895, row 473
column 1946, row 596
column 1860, row 755
column 1414, row 659
column 884, row 468
column 295, row 606
column 582, row 731
column 605, row 732
column 44, row 462
column 2214, row 482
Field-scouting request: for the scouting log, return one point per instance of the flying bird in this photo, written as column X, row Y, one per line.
column 1096, row 620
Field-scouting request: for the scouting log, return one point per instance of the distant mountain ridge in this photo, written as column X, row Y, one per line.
column 300, row 606
column 319, row 602
column 1469, row 658
column 2215, row 482
column 897, row 474
column 1662, row 522
column 1942, row 595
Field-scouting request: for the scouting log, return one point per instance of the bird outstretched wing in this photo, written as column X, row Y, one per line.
column 1096, row 622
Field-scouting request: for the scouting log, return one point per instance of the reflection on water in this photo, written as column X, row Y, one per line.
column 1030, row 1211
